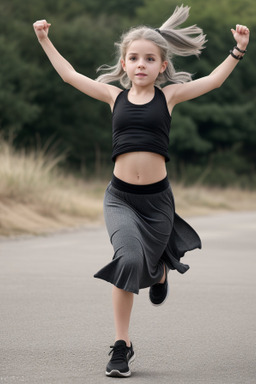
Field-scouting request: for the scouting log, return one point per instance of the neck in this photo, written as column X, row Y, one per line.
column 139, row 90
column 139, row 95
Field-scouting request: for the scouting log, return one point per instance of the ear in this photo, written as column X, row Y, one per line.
column 163, row 67
column 123, row 65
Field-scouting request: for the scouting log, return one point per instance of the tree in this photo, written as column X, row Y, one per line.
column 216, row 132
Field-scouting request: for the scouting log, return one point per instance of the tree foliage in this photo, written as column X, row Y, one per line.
column 218, row 130
column 212, row 136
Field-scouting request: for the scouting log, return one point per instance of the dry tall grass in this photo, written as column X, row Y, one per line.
column 201, row 200
column 35, row 197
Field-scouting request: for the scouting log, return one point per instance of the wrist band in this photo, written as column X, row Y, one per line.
column 235, row 56
column 240, row 50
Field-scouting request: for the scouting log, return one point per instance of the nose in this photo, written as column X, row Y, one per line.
column 141, row 63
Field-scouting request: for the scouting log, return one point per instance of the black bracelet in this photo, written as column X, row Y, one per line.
column 240, row 50
column 235, row 56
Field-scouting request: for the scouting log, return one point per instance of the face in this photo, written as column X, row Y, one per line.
column 143, row 62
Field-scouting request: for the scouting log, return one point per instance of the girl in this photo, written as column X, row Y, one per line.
column 148, row 237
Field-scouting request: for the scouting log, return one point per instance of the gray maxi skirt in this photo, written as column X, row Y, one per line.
column 145, row 232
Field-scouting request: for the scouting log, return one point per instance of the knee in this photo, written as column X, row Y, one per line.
column 130, row 267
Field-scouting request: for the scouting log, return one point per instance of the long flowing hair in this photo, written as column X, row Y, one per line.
column 170, row 40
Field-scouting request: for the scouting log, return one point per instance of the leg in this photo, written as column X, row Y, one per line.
column 164, row 276
column 122, row 305
column 122, row 351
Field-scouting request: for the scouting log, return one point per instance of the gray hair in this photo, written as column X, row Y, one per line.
column 169, row 40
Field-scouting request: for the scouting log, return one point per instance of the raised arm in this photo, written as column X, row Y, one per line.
column 99, row 91
column 178, row 93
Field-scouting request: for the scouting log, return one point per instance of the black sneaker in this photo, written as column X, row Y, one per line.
column 158, row 293
column 122, row 356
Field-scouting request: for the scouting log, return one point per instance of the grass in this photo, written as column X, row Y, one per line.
column 202, row 200
column 37, row 197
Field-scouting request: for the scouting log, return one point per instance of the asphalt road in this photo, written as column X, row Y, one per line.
column 56, row 319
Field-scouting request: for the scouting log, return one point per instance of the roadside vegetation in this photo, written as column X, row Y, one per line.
column 212, row 139
column 37, row 196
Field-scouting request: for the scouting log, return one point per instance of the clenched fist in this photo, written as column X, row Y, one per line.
column 41, row 28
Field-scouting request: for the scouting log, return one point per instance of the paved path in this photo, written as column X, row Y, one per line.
column 56, row 319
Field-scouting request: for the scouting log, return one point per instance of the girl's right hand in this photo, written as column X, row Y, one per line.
column 41, row 28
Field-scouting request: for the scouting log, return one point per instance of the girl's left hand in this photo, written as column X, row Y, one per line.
column 241, row 35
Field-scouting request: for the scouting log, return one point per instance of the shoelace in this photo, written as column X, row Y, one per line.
column 119, row 353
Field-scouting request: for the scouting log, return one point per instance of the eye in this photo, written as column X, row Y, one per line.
column 151, row 59
column 132, row 58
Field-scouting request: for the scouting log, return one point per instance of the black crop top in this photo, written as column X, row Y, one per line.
column 143, row 127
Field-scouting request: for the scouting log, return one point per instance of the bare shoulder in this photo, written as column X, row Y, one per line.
column 177, row 93
column 93, row 88
column 170, row 91
column 114, row 92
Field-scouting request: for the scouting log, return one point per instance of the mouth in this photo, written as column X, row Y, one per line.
column 141, row 74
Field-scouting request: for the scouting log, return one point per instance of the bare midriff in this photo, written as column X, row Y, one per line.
column 140, row 168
